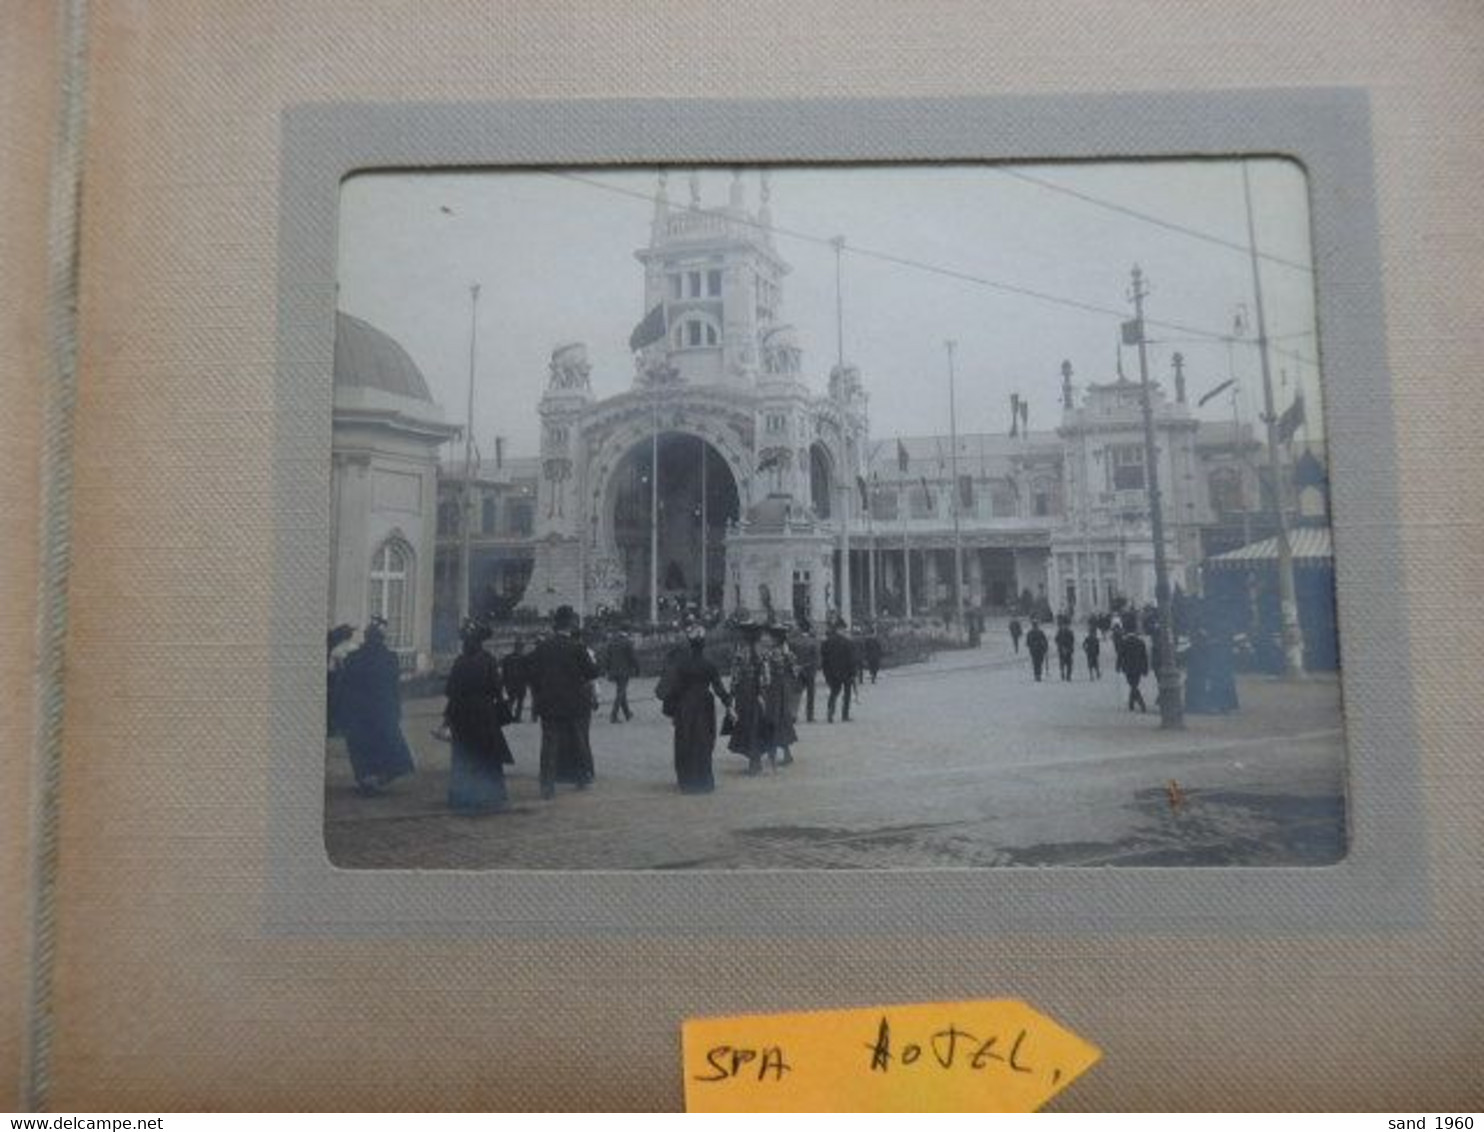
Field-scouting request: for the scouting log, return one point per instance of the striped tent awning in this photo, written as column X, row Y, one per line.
column 1311, row 547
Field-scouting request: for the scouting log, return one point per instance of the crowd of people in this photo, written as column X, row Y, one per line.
column 771, row 677
column 753, row 695
column 1209, row 683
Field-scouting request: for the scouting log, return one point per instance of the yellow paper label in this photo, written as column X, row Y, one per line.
column 986, row 1056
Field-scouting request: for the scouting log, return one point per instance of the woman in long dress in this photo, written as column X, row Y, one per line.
column 475, row 715
column 781, row 700
column 694, row 686
column 369, row 709
column 750, row 679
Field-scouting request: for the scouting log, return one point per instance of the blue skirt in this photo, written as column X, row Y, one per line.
column 476, row 784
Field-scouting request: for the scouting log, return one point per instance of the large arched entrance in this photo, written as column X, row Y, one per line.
column 697, row 497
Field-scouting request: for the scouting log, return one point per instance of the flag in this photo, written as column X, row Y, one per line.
column 927, row 493
column 650, row 329
column 1227, row 384
column 1025, row 416
column 860, row 482
column 901, row 456
column 1291, row 420
column 1015, row 414
column 1133, row 332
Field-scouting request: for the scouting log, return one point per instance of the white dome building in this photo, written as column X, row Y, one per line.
column 386, row 433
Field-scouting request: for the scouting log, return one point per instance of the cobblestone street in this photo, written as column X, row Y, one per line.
column 963, row 761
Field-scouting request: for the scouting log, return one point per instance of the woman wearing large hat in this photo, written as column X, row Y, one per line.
column 475, row 713
column 692, row 685
column 781, row 699
column 751, row 736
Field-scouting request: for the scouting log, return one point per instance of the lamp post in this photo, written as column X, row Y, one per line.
column 1171, row 705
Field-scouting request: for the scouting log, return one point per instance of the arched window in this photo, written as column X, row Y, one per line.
column 391, row 591
column 694, row 332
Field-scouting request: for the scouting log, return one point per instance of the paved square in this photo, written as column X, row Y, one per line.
column 958, row 762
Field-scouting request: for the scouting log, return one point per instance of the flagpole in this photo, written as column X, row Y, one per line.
column 958, row 542
column 1293, row 637
column 903, row 464
column 838, row 243
column 1237, row 445
column 466, row 527
column 704, row 533
column 654, row 514
column 871, row 553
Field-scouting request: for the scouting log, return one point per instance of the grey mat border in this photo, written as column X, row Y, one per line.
column 1381, row 885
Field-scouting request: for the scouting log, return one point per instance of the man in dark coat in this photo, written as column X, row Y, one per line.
column 369, row 703
column 1015, row 632
column 1092, row 647
column 515, row 678
column 1036, row 644
column 806, row 649
column 622, row 665
column 562, row 671
column 1066, row 649
column 871, row 652
column 1134, row 662
column 837, row 661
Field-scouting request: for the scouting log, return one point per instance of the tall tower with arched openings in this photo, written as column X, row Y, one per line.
column 717, row 280
column 752, row 464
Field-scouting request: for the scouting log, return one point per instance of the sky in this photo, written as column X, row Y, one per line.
column 933, row 252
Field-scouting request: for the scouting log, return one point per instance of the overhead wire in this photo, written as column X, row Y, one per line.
column 1196, row 333
column 1146, row 217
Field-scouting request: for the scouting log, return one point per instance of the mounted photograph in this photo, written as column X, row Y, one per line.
column 831, row 517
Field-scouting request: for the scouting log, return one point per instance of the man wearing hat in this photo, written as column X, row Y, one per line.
column 837, row 660
column 806, row 650
column 1036, row 644
column 622, row 665
column 513, row 672
column 561, row 671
